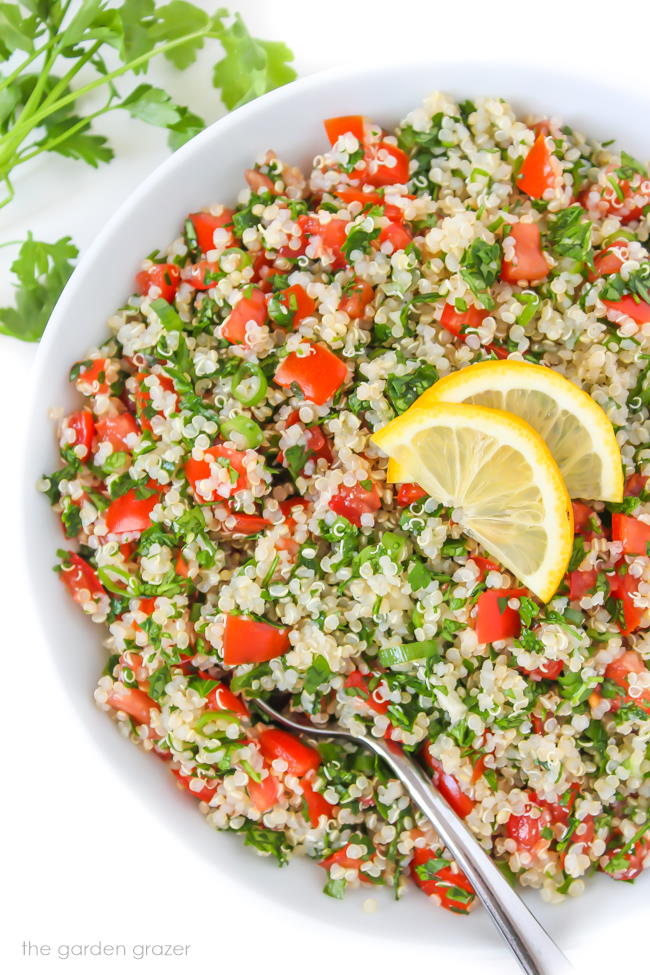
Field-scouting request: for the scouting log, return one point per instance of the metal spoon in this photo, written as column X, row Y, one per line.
column 534, row 949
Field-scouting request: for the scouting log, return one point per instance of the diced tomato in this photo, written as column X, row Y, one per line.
column 548, row 670
column 353, row 502
column 115, row 429
column 181, row 567
column 127, row 550
column 360, row 682
column 290, row 504
column 189, row 782
column 144, row 410
column 582, row 583
column 248, row 524
column 447, row 785
column 529, row 263
column 443, row 883
column 457, row 322
column 349, row 194
column 163, row 277
column 584, row 519
column 409, row 493
column 300, row 758
column 539, row 170
column 82, row 426
column 317, row 804
column 202, row 275
column 637, row 310
column 635, row 860
column 342, row 124
column 619, row 670
column 251, row 308
column 608, row 261
column 297, row 303
column 130, row 512
column 80, row 578
column 342, row 858
column 479, row 769
column 485, row 565
column 221, row 698
column 605, row 197
column 133, row 702
column 358, row 295
column 319, row 374
column 264, row 794
column 91, row 379
column 397, row 234
column 205, row 225
column 635, row 485
column 526, row 830
column 495, row 620
column 232, row 460
column 633, row 533
column 386, row 165
column 333, row 236
column 248, row 641
column 315, row 441
column 624, row 587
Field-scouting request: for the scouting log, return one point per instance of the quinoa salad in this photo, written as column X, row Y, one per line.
column 230, row 526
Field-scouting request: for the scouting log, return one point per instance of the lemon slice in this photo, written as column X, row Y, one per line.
column 577, row 431
column 500, row 478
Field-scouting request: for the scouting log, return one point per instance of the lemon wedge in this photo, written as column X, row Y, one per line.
column 577, row 431
column 500, row 479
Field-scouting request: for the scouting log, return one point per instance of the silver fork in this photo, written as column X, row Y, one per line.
column 534, row 949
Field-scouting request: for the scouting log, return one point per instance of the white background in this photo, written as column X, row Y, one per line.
column 84, row 857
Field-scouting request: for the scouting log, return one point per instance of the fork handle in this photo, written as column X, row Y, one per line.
column 534, row 949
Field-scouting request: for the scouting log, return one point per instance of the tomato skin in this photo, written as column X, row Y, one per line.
column 165, row 277
column 548, row 670
column 583, row 519
column 202, row 275
column 357, row 298
column 317, row 804
column 116, row 429
column 360, row 681
column 129, row 513
column 409, row 493
column 80, row 576
column 300, row 758
column 491, row 623
column 353, row 502
column 604, row 200
column 82, row 425
column 635, row 858
column 632, row 533
column 635, row 485
column 133, row 702
column 342, row 124
column 607, row 261
column 457, row 322
column 447, row 785
column 397, row 234
column 349, row 194
column 247, row 641
column 378, row 172
column 315, row 441
column 529, row 263
column 485, row 566
column 142, row 398
column 442, row 882
column 619, row 670
column 304, row 304
column 581, row 583
column 248, row 524
column 638, row 311
column 264, row 794
column 319, row 374
column 251, row 308
column 525, row 830
column 205, row 225
column 199, row 470
column 539, row 170
column 221, row 698
column 204, row 794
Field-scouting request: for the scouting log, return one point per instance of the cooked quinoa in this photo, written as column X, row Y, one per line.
column 236, row 534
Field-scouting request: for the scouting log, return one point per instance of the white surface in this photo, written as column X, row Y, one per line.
column 87, row 858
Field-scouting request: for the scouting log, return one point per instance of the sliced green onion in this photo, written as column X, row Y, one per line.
column 249, row 384
column 531, row 301
column 106, row 574
column 246, row 428
column 209, row 717
column 244, row 258
column 406, row 652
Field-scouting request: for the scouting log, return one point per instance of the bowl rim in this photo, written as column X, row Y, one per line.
column 176, row 162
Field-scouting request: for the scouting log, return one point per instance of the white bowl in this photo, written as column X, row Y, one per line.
column 209, row 170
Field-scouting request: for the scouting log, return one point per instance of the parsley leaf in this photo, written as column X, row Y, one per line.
column 479, row 269
column 401, row 391
column 42, row 270
column 250, row 67
column 570, row 236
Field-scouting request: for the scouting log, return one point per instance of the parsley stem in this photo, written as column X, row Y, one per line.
column 10, row 78
column 52, row 143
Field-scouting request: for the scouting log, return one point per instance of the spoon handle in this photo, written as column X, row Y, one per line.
column 534, row 949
